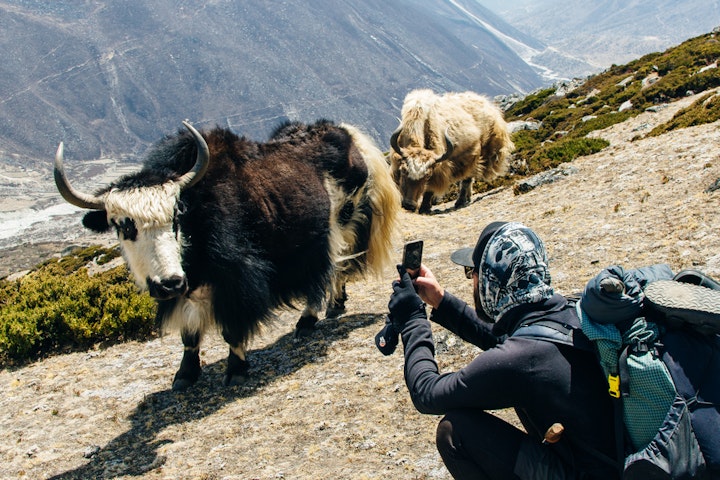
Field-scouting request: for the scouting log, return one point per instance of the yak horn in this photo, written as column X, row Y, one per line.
column 72, row 196
column 202, row 161
column 393, row 140
column 449, row 147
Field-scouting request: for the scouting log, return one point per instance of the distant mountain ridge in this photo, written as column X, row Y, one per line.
column 606, row 32
column 109, row 78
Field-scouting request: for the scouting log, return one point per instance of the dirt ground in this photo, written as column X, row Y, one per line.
column 331, row 406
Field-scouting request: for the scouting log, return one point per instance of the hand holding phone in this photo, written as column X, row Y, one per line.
column 387, row 339
column 412, row 257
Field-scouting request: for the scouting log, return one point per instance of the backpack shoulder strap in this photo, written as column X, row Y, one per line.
column 564, row 328
column 546, row 330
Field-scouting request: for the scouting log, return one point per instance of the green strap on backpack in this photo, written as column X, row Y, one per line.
column 631, row 364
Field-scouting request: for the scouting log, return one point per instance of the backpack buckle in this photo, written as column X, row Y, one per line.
column 614, row 386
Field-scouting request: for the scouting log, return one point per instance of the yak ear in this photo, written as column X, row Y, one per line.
column 96, row 221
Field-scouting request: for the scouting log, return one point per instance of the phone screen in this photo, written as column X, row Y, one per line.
column 412, row 257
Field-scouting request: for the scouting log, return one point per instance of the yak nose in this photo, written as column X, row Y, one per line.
column 410, row 206
column 167, row 288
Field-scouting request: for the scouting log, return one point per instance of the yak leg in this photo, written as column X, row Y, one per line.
column 427, row 202
column 238, row 367
column 309, row 317
column 465, row 193
column 336, row 303
column 190, row 369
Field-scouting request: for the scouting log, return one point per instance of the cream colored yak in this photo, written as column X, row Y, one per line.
column 443, row 139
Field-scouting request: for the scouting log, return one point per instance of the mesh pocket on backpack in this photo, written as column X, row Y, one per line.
column 674, row 453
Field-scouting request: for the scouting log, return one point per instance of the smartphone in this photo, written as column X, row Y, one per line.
column 412, row 257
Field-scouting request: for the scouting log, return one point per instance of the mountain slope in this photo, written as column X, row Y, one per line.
column 110, row 79
column 606, row 32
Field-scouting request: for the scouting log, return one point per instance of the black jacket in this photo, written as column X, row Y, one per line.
column 544, row 381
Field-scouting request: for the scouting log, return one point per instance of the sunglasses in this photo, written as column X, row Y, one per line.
column 469, row 272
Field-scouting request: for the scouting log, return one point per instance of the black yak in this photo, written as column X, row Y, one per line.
column 222, row 230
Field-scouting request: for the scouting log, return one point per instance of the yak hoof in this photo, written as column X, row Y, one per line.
column 180, row 384
column 237, row 372
column 336, row 306
column 304, row 332
column 189, row 370
column 461, row 202
column 305, row 326
column 335, row 310
column 236, row 379
column 188, row 373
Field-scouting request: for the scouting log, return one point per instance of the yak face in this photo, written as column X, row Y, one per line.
column 413, row 166
column 146, row 222
column 144, row 212
column 411, row 171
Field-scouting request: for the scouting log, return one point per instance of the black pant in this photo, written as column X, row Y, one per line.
column 478, row 445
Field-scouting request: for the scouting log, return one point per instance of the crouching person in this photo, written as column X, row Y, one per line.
column 535, row 359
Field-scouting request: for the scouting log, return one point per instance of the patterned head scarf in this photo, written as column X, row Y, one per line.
column 513, row 270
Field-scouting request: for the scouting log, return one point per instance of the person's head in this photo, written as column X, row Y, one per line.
column 509, row 268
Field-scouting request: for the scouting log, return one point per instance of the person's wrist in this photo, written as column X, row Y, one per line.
column 418, row 312
column 443, row 300
column 413, row 323
column 437, row 299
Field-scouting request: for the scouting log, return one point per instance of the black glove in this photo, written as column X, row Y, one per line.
column 405, row 303
column 387, row 339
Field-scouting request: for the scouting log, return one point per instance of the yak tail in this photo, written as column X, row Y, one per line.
column 385, row 202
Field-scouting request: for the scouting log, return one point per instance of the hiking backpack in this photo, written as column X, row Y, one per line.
column 658, row 344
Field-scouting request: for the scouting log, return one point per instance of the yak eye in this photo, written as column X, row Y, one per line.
column 126, row 228
column 179, row 210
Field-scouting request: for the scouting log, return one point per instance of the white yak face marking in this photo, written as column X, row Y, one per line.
column 411, row 171
column 419, row 168
column 144, row 219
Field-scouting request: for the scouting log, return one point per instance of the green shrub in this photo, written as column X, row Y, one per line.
column 704, row 110
column 526, row 140
column 600, row 122
column 529, row 103
column 79, row 258
column 565, row 150
column 55, row 309
column 557, row 118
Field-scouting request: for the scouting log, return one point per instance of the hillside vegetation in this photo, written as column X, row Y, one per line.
column 58, row 307
column 559, row 120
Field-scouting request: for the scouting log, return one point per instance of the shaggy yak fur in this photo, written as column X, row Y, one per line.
column 443, row 139
column 225, row 240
